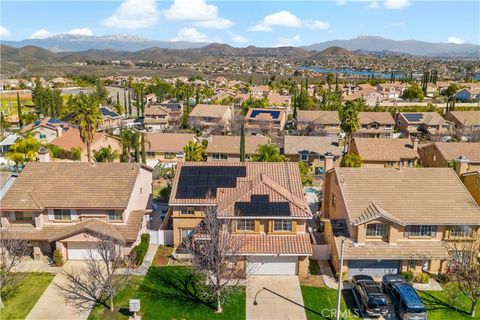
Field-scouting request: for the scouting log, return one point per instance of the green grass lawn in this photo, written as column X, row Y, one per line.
column 19, row 303
column 439, row 309
column 171, row 293
column 320, row 303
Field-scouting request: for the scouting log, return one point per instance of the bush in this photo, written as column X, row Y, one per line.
column 141, row 249
column 442, row 278
column 421, row 277
column 408, row 275
column 58, row 258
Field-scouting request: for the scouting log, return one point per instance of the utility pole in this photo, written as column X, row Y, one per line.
column 340, row 280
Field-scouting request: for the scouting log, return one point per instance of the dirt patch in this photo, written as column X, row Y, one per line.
column 162, row 256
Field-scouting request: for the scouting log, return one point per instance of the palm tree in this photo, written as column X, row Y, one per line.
column 352, row 160
column 133, row 142
column 23, row 151
column 268, row 153
column 350, row 120
column 105, row 154
column 86, row 114
column 194, row 151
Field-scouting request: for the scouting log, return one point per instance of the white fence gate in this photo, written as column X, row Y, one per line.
column 321, row 252
column 164, row 237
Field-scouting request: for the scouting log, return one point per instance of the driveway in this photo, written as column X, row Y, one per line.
column 51, row 304
column 276, row 297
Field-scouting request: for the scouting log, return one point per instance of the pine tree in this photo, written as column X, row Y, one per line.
column 142, row 102
column 118, row 97
column 125, row 99
column 129, row 102
column 242, row 142
column 142, row 146
column 19, row 110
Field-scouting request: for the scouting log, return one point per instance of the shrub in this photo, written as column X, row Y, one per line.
column 58, row 258
column 421, row 277
column 141, row 249
column 442, row 278
column 408, row 275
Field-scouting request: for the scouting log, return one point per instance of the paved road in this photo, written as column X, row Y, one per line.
column 277, row 297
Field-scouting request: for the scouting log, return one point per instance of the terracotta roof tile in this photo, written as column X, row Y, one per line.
column 297, row 244
column 378, row 117
column 384, row 149
column 231, row 144
column 321, row 117
column 168, row 142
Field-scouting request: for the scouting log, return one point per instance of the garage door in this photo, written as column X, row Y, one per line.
column 81, row 250
column 373, row 268
column 272, row 265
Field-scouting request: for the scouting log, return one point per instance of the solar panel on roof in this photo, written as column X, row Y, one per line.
column 415, row 117
column 199, row 182
column 53, row 120
column 273, row 114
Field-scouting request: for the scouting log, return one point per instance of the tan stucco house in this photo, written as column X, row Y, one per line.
column 227, row 148
column 211, row 117
column 318, row 122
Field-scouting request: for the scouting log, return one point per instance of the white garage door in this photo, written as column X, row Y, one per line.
column 272, row 265
column 81, row 250
column 374, row 268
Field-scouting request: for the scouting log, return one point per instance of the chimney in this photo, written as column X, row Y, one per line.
column 415, row 144
column 59, row 131
column 43, row 155
column 461, row 166
column 328, row 164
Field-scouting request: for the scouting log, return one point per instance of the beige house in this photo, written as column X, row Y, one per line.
column 396, row 219
column 69, row 206
column 317, row 122
column 166, row 148
column 264, row 202
column 383, row 152
column 211, row 117
column 471, row 180
column 163, row 116
column 227, row 148
column 375, row 125
column 265, row 121
column 46, row 129
column 438, row 154
column 428, row 124
column 467, row 123
column 71, row 140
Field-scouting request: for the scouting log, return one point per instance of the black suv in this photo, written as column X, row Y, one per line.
column 371, row 297
column 408, row 305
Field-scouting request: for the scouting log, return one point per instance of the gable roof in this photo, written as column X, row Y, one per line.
column 466, row 118
column 231, row 144
column 411, row 195
column 320, row 145
column 72, row 185
column 230, row 184
column 373, row 212
column 168, row 142
column 378, row 117
column 209, row 110
column 384, row 149
column 321, row 117
column 428, row 118
column 71, row 139
column 453, row 150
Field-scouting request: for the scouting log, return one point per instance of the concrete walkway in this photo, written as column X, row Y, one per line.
column 274, row 297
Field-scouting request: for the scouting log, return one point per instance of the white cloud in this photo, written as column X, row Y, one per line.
column 81, row 31
column 190, row 34
column 237, row 38
column 455, row 40
column 396, row 4
column 40, row 34
column 197, row 12
column 4, row 32
column 133, row 14
column 285, row 42
column 288, row 20
column 374, row 5
column 341, row 2
column 397, row 24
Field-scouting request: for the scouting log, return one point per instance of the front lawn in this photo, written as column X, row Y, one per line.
column 439, row 309
column 171, row 293
column 321, row 302
column 162, row 256
column 19, row 303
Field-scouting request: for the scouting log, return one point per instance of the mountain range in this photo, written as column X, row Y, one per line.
column 75, row 43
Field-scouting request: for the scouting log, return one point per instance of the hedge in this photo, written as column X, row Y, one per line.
column 141, row 249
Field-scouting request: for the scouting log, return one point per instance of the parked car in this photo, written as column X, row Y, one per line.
column 370, row 295
column 408, row 305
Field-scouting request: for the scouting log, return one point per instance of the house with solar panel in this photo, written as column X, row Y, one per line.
column 47, row 129
column 161, row 116
column 265, row 121
column 430, row 125
column 111, row 119
column 211, row 117
column 262, row 205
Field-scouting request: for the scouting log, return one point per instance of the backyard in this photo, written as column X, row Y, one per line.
column 19, row 303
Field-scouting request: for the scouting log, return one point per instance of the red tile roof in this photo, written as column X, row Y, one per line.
column 295, row 244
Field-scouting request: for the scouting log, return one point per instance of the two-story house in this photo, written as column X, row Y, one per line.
column 227, row 148
column 393, row 220
column 383, row 152
column 263, row 203
column 111, row 119
column 317, row 122
column 166, row 148
column 265, row 121
column 163, row 116
column 211, row 117
column 440, row 154
column 69, row 206
column 46, row 129
column 467, row 123
column 375, row 125
column 428, row 124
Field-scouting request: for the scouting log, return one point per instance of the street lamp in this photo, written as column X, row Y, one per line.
column 255, row 299
column 340, row 282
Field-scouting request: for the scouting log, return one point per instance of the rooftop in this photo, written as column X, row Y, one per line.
column 210, row 110
column 313, row 144
column 383, row 149
column 168, row 142
column 231, row 144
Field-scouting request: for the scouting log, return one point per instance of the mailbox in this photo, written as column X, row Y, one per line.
column 134, row 305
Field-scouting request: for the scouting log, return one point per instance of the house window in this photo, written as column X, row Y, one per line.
column 304, row 156
column 411, row 163
column 23, row 216
column 388, row 126
column 246, row 225
column 334, row 200
column 186, row 233
column 411, row 265
column 62, row 214
column 282, row 225
column 219, row 156
column 169, row 155
column 43, row 136
column 461, row 232
column 377, row 230
column 150, row 153
column 421, row 231
column 389, row 163
column 187, row 210
column 114, row 215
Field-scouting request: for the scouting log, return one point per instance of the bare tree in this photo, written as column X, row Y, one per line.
column 215, row 254
column 464, row 268
column 105, row 273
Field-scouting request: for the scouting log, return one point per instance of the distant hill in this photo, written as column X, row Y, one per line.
column 411, row 47
column 331, row 52
column 72, row 42
column 27, row 55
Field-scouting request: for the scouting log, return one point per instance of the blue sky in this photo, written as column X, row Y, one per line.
column 241, row 23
